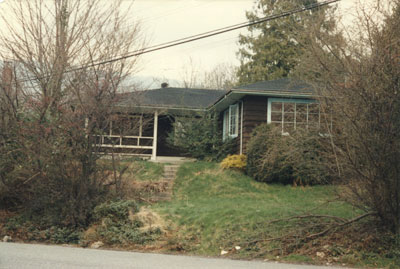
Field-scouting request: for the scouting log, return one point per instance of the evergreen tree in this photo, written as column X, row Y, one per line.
column 272, row 49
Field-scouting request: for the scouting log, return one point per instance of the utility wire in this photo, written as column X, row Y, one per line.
column 193, row 38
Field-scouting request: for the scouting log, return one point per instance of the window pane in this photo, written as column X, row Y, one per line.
column 313, row 108
column 301, row 117
column 288, row 127
column 313, row 118
column 276, row 116
column 313, row 127
column 227, row 121
column 276, row 106
column 288, row 117
column 289, row 107
column 301, row 126
column 234, row 116
column 301, row 108
column 276, row 125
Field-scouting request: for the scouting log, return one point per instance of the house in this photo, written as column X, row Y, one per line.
column 286, row 103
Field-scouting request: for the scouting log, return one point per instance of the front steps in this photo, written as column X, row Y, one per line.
column 163, row 188
column 169, row 176
column 172, row 160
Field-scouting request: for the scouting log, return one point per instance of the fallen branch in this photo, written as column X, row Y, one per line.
column 341, row 225
column 296, row 234
column 32, row 177
column 145, row 200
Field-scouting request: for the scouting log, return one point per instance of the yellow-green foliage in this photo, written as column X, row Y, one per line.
column 234, row 161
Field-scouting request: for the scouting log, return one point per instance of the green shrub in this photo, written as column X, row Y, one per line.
column 126, row 232
column 115, row 210
column 115, row 226
column 200, row 137
column 25, row 229
column 63, row 235
column 293, row 159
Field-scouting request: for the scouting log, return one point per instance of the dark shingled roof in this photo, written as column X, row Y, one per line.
column 279, row 85
column 172, row 98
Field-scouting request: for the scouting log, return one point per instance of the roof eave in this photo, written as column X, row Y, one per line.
column 236, row 94
column 149, row 109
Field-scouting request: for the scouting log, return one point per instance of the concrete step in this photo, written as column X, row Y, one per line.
column 170, row 170
column 173, row 160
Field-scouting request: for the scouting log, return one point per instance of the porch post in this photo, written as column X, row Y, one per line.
column 154, row 150
column 241, row 129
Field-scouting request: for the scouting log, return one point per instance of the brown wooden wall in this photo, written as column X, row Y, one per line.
column 254, row 113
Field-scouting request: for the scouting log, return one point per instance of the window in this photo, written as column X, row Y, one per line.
column 231, row 122
column 292, row 114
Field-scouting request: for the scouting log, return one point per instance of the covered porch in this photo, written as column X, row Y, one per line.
column 131, row 134
column 144, row 119
column 141, row 135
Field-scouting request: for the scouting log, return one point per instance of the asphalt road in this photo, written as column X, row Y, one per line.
column 13, row 255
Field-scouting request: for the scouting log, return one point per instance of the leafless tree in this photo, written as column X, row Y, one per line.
column 357, row 73
column 66, row 83
column 222, row 76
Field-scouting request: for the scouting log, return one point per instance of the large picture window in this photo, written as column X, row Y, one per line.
column 292, row 114
column 231, row 122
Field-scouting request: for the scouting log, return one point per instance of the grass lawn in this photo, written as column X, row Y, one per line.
column 143, row 170
column 214, row 210
column 136, row 169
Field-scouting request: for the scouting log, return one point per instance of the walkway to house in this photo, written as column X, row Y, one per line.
column 171, row 166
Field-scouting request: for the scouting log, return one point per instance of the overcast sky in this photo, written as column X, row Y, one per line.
column 168, row 20
column 174, row 19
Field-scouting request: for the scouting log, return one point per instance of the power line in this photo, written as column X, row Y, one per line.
column 193, row 38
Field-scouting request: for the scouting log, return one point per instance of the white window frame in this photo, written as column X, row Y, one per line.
column 290, row 100
column 231, row 122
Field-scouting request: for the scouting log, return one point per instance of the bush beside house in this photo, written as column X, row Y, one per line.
column 201, row 138
column 291, row 159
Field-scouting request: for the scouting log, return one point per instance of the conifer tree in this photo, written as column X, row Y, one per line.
column 272, row 49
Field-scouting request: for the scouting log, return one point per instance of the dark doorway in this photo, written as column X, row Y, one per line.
column 165, row 126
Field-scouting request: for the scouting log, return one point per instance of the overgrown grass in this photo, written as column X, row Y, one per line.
column 136, row 169
column 214, row 210
column 143, row 170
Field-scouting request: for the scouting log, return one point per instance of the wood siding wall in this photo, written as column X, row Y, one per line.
column 254, row 114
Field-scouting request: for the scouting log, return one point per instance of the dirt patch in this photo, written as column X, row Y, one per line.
column 148, row 191
column 91, row 234
column 151, row 187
